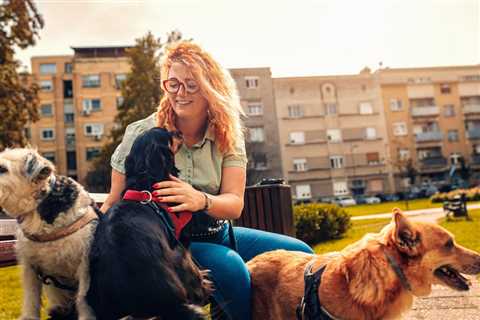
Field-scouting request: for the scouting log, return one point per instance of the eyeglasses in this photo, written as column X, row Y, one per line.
column 173, row 86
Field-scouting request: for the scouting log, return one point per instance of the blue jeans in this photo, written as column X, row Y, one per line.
column 228, row 270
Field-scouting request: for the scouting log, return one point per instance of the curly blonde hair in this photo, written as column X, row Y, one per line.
column 216, row 85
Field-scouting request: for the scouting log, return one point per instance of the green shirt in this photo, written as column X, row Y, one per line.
column 200, row 165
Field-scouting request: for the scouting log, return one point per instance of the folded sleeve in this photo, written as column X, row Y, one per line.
column 117, row 161
column 238, row 158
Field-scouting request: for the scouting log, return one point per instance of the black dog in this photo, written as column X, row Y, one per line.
column 136, row 267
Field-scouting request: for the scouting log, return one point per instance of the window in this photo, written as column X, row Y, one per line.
column 50, row 156
column 399, row 129
column 331, row 108
column 445, row 88
column 256, row 134
column 91, row 81
column 295, row 111
column 46, row 85
column 119, row 79
column 334, row 135
column 93, row 129
column 68, row 67
column 47, row 134
column 297, row 137
column 259, row 161
column 48, row 68
column 395, row 104
column 46, row 110
column 449, row 110
column 92, row 153
column 92, row 105
column 371, row 133
column 120, row 101
column 255, row 109
column 403, row 154
column 300, row 164
column 340, row 188
column 251, row 82
column 303, row 191
column 373, row 158
column 366, row 108
column 452, row 135
column 336, row 162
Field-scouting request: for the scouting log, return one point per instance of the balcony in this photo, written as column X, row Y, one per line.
column 426, row 111
column 433, row 162
column 471, row 108
column 429, row 136
column 473, row 133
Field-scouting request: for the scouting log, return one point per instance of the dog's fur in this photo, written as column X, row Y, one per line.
column 358, row 283
column 122, row 263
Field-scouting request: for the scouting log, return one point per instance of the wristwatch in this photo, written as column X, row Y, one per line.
column 208, row 202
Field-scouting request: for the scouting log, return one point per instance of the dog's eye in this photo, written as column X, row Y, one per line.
column 3, row 169
column 449, row 244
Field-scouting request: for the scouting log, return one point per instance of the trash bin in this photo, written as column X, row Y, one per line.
column 268, row 207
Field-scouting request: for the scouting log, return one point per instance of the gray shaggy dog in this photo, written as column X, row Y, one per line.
column 57, row 229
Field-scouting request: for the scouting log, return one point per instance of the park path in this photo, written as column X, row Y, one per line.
column 444, row 303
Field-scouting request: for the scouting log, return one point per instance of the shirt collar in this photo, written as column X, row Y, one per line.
column 209, row 135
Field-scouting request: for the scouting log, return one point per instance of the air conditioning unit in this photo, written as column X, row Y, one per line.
column 86, row 110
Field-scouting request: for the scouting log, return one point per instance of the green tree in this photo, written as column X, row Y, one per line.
column 20, row 23
column 141, row 94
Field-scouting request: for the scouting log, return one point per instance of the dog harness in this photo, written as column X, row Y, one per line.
column 180, row 219
column 310, row 307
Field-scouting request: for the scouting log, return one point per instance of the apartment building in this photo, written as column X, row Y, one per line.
column 78, row 102
column 255, row 86
column 333, row 135
column 433, row 117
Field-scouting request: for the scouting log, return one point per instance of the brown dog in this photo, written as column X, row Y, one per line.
column 361, row 282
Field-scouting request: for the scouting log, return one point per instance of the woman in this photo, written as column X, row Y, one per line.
column 201, row 104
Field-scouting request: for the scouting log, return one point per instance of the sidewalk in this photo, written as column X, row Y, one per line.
column 443, row 303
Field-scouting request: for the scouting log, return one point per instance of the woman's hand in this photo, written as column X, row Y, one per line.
column 178, row 191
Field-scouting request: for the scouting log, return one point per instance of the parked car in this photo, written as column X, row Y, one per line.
column 372, row 199
column 345, row 201
column 360, row 199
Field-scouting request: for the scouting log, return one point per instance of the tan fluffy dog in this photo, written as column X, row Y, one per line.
column 359, row 283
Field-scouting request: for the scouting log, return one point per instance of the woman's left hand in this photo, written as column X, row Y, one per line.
column 178, row 191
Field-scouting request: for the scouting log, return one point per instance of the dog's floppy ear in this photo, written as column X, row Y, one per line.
column 406, row 238
column 37, row 168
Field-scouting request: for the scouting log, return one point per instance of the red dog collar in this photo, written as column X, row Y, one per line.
column 180, row 219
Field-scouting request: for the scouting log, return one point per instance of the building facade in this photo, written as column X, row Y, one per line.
column 333, row 136
column 433, row 117
column 78, row 102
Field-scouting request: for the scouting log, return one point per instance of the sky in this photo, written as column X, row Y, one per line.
column 293, row 38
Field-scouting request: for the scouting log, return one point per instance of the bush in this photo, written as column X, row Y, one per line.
column 319, row 222
column 473, row 194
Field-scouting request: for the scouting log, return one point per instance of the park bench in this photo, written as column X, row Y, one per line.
column 456, row 207
column 268, row 206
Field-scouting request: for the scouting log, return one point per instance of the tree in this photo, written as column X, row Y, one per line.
column 141, row 94
column 20, row 23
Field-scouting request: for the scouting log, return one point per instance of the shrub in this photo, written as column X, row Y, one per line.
column 319, row 222
column 473, row 194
